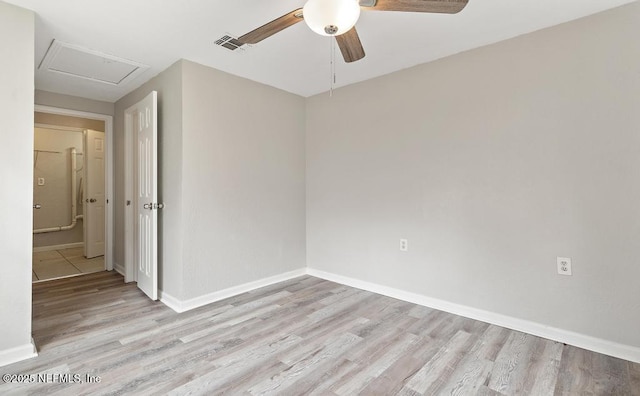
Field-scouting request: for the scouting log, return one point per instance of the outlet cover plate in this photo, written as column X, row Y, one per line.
column 564, row 265
column 404, row 245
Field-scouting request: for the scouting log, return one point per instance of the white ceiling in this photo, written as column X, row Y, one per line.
column 159, row 32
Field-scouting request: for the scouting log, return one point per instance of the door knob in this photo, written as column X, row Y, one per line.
column 37, row 206
column 92, row 200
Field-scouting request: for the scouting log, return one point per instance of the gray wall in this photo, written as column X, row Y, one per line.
column 492, row 163
column 45, row 98
column 242, row 179
column 231, row 157
column 68, row 121
column 16, row 171
column 168, row 84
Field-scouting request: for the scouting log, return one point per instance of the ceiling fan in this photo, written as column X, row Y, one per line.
column 338, row 18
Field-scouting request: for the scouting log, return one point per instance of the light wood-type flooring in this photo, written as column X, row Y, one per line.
column 303, row 336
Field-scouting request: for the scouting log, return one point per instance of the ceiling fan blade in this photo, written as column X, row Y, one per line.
column 271, row 28
column 350, row 46
column 438, row 6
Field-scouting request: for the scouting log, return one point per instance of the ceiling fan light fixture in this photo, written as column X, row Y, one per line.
column 331, row 17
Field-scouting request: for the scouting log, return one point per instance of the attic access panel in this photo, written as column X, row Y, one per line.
column 76, row 61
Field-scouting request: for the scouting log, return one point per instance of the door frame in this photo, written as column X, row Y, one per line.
column 108, row 131
column 129, row 274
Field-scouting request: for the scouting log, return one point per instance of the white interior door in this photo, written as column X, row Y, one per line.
column 146, row 195
column 94, row 193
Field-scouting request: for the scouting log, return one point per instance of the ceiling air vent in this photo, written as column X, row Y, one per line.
column 229, row 42
column 76, row 61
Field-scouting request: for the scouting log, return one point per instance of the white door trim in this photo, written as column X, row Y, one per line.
column 129, row 273
column 108, row 130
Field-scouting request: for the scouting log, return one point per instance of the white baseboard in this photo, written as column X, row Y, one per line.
column 171, row 301
column 58, row 247
column 186, row 305
column 118, row 268
column 599, row 345
column 18, row 353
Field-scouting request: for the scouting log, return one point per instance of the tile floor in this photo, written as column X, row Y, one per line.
column 62, row 263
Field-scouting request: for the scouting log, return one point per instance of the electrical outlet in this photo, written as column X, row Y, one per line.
column 41, row 181
column 404, row 245
column 564, row 265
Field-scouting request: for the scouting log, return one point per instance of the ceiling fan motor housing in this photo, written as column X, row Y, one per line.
column 331, row 17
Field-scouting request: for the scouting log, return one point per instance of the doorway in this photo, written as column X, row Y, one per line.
column 62, row 156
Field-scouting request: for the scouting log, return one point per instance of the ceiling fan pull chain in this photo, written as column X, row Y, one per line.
column 332, row 77
column 333, row 66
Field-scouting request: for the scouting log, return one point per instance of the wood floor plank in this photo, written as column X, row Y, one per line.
column 173, row 325
column 611, row 376
column 319, row 381
column 332, row 349
column 473, row 370
column 486, row 391
column 239, row 384
column 379, row 363
column 394, row 378
column 302, row 336
column 467, row 378
column 377, row 342
column 437, row 370
column 212, row 328
column 542, row 377
column 493, row 340
column 634, row 377
column 511, row 363
column 574, row 376
column 233, row 366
